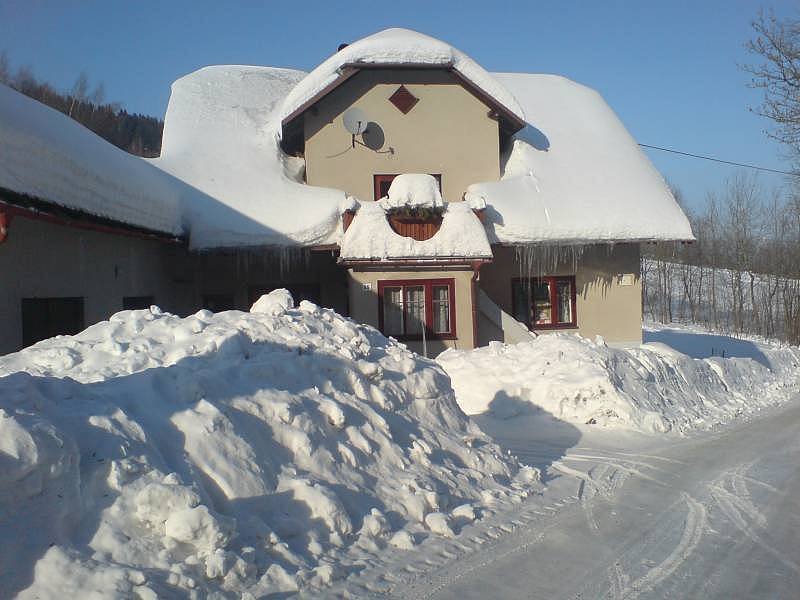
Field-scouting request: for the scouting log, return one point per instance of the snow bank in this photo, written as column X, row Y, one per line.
column 221, row 137
column 575, row 174
column 413, row 189
column 47, row 155
column 399, row 46
column 370, row 237
column 264, row 452
column 652, row 388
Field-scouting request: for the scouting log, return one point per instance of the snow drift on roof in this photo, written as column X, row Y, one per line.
column 45, row 154
column 414, row 190
column 221, row 136
column 399, row 46
column 575, row 174
column 370, row 237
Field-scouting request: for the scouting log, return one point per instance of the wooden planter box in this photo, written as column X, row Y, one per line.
column 414, row 227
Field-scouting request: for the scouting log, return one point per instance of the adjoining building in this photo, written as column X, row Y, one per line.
column 398, row 182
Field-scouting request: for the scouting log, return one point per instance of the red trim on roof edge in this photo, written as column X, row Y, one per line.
column 347, row 70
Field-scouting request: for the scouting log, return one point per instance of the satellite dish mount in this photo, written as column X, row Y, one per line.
column 356, row 122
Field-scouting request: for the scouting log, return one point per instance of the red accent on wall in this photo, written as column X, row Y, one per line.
column 415, row 228
column 5, row 223
column 403, row 100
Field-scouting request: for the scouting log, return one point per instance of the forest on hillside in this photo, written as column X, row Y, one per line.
column 135, row 133
column 742, row 274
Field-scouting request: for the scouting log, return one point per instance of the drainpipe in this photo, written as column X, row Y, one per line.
column 5, row 223
column 476, row 266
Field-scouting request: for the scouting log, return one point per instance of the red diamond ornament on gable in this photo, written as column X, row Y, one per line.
column 403, row 99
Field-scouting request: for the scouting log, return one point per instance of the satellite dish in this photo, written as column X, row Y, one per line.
column 355, row 121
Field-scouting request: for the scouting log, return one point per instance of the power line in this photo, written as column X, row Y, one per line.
column 719, row 160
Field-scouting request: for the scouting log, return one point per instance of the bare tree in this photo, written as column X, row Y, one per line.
column 777, row 44
column 5, row 68
column 79, row 92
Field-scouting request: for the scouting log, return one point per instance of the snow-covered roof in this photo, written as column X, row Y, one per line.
column 575, row 174
column 370, row 237
column 47, row 155
column 221, row 137
column 394, row 47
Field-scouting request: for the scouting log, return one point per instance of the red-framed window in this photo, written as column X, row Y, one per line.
column 405, row 306
column 545, row 302
column 382, row 182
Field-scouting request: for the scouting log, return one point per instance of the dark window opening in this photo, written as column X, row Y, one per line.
column 407, row 306
column 545, row 302
column 382, row 182
column 218, row 302
column 137, row 302
column 44, row 318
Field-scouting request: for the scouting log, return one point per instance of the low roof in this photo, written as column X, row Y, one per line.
column 400, row 48
column 575, row 174
column 48, row 156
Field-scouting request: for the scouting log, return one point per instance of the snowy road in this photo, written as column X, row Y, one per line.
column 715, row 516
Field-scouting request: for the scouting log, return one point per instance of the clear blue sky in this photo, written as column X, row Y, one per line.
column 668, row 69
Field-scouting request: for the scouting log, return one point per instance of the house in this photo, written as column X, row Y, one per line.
column 398, row 182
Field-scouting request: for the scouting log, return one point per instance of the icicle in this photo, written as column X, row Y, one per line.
column 538, row 260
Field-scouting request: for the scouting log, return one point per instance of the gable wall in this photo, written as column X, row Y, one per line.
column 448, row 131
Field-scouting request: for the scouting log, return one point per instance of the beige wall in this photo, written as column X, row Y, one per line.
column 43, row 260
column 448, row 131
column 603, row 305
column 364, row 303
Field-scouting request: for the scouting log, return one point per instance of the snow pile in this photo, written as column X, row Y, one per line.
column 575, row 174
column 652, row 388
column 153, row 456
column 47, row 155
column 221, row 136
column 404, row 47
column 416, row 190
column 370, row 237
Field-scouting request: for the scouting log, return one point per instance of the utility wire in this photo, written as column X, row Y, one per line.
column 719, row 160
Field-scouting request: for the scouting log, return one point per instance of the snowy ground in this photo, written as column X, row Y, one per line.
column 631, row 516
column 291, row 450
column 708, row 509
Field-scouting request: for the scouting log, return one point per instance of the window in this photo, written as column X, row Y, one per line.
column 382, row 182
column 44, row 318
column 218, row 302
column 406, row 306
column 545, row 302
column 137, row 302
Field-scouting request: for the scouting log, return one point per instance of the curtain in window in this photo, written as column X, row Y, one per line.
column 564, row 299
column 415, row 309
column 441, row 309
column 542, row 309
column 393, row 311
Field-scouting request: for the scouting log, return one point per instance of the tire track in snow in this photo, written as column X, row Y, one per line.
column 737, row 507
column 695, row 525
